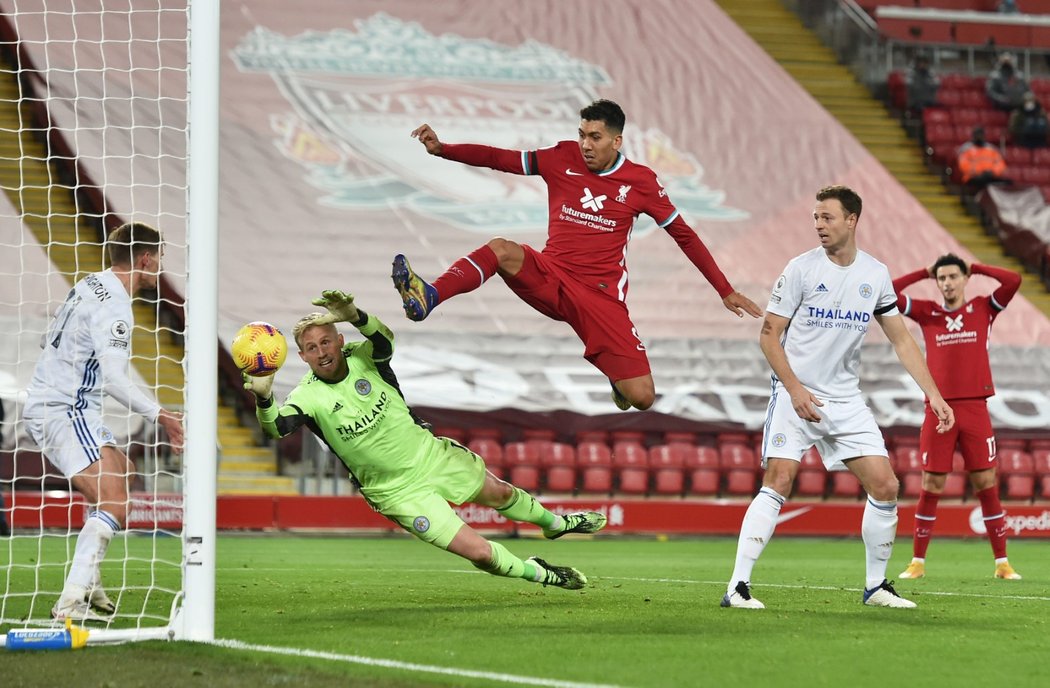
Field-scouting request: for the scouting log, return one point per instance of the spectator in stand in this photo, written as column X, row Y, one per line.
column 956, row 332
column 1006, row 84
column 922, row 85
column 980, row 163
column 1028, row 123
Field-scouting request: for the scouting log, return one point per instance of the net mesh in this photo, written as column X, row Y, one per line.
column 93, row 133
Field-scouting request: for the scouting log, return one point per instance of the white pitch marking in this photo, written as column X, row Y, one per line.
column 407, row 666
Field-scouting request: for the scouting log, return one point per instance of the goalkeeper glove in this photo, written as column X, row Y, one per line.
column 340, row 307
column 259, row 386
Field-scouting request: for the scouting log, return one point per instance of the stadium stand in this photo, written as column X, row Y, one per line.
column 522, row 461
column 594, row 460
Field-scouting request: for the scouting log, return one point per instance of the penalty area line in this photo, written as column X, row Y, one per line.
column 405, row 666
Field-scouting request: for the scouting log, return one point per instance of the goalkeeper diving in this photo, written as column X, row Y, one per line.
column 352, row 401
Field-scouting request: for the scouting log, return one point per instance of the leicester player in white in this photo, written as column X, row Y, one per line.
column 818, row 313
column 85, row 354
column 352, row 401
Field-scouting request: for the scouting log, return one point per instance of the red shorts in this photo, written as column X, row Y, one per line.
column 610, row 341
column 972, row 433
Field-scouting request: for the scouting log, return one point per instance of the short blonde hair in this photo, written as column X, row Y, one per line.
column 305, row 323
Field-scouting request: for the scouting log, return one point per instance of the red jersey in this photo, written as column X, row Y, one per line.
column 957, row 341
column 591, row 214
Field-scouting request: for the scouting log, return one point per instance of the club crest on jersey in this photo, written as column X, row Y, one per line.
column 363, row 387
column 779, row 439
column 355, row 94
column 624, row 190
column 865, row 291
column 421, row 524
column 120, row 329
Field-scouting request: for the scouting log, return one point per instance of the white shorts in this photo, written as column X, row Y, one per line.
column 847, row 431
column 71, row 439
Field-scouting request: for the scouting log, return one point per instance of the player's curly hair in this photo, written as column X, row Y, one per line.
column 849, row 198
column 605, row 111
column 951, row 259
column 306, row 322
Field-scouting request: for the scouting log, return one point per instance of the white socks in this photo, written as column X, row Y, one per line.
column 755, row 532
column 878, row 529
column 92, row 544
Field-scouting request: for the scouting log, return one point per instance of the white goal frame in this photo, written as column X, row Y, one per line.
column 192, row 614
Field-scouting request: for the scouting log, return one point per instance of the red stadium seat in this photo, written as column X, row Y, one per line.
column 845, row 485
column 701, row 466
column 676, row 437
column 909, row 470
column 485, row 434
column 559, row 464
column 812, row 478
column 1017, row 474
column 739, row 467
column 934, row 115
column 667, row 466
column 594, row 462
column 491, row 451
column 631, row 463
column 522, row 460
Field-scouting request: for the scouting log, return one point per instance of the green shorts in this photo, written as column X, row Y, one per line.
column 456, row 475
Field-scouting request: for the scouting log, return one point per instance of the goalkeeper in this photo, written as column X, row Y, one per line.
column 352, row 401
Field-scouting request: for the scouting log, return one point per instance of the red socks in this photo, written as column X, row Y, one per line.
column 467, row 273
column 994, row 519
column 925, row 517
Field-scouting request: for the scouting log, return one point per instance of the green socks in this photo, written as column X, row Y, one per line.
column 504, row 563
column 524, row 507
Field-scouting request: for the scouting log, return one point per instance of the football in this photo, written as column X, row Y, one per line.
column 259, row 349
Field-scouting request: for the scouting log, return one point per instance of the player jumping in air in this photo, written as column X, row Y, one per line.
column 580, row 277
column 352, row 401
column 956, row 333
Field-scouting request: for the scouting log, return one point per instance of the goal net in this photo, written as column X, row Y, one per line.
column 95, row 114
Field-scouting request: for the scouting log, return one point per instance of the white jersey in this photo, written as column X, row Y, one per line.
column 831, row 308
column 86, row 352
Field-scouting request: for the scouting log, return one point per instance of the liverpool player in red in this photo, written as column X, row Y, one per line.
column 956, row 334
column 580, row 277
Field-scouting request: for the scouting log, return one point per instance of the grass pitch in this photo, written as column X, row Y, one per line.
column 324, row 611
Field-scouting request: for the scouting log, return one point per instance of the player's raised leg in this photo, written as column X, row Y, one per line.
column 635, row 392
column 516, row 504
column 420, row 297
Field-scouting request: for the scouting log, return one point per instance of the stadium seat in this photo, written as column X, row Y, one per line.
column 486, row 434
column 739, row 468
column 559, row 463
column 1041, row 465
column 677, row 437
column 541, row 438
column 702, row 466
column 1016, row 474
column 453, row 433
column 812, row 478
column 844, row 485
column 522, row 461
column 31, row 471
column 594, row 462
column 592, row 436
column 631, row 464
column 909, row 470
column 490, row 450
column 667, row 467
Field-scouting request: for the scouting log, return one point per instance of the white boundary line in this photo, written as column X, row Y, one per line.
column 842, row 588
column 406, row 666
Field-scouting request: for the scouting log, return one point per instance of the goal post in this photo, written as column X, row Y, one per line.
column 109, row 113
